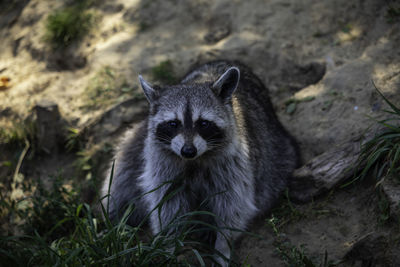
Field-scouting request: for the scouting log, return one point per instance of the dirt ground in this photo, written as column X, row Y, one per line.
column 323, row 54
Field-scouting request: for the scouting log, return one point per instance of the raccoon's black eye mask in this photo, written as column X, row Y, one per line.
column 209, row 131
column 167, row 130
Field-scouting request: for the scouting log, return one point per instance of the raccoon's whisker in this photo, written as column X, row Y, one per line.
column 164, row 138
column 216, row 141
column 215, row 145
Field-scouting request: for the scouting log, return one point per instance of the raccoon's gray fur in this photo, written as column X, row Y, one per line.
column 216, row 134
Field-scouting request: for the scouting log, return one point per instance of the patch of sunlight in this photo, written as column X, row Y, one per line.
column 130, row 3
column 16, row 191
column 310, row 91
column 107, row 52
column 237, row 40
column 349, row 33
column 115, row 32
column 348, row 244
column 379, row 72
column 113, row 41
column 380, row 46
column 386, row 77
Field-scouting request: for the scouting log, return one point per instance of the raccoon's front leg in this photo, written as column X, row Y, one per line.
column 233, row 211
column 163, row 213
column 222, row 246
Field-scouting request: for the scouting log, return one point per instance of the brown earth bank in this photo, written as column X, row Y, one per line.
column 319, row 59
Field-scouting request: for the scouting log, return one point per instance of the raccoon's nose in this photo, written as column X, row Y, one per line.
column 188, row 151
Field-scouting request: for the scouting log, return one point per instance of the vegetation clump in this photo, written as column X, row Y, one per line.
column 164, row 72
column 69, row 24
column 381, row 154
column 291, row 254
column 59, row 230
column 393, row 11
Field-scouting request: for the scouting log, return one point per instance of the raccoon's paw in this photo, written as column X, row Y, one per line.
column 221, row 245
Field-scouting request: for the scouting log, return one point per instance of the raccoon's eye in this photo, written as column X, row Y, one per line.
column 173, row 124
column 204, row 124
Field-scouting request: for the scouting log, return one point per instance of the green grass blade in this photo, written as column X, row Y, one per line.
column 109, row 186
column 199, row 258
column 395, row 109
column 395, row 161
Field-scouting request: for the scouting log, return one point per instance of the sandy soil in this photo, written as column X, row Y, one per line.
column 327, row 52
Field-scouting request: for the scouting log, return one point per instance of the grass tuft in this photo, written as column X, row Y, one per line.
column 381, row 155
column 287, row 212
column 393, row 12
column 74, row 140
column 164, row 73
column 68, row 24
column 295, row 255
column 17, row 133
column 59, row 230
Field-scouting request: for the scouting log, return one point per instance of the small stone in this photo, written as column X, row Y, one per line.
column 122, row 114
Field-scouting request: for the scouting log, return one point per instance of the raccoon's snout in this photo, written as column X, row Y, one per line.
column 188, row 151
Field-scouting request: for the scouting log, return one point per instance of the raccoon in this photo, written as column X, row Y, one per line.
column 216, row 135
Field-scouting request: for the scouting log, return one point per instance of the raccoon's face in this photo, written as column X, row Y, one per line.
column 191, row 120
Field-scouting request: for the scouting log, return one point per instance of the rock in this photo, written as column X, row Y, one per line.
column 324, row 172
column 216, row 34
column 218, row 28
column 66, row 61
column 297, row 77
column 391, row 190
column 369, row 249
column 111, row 121
column 48, row 125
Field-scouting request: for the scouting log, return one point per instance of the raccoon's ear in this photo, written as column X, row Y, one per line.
column 227, row 83
column 148, row 90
